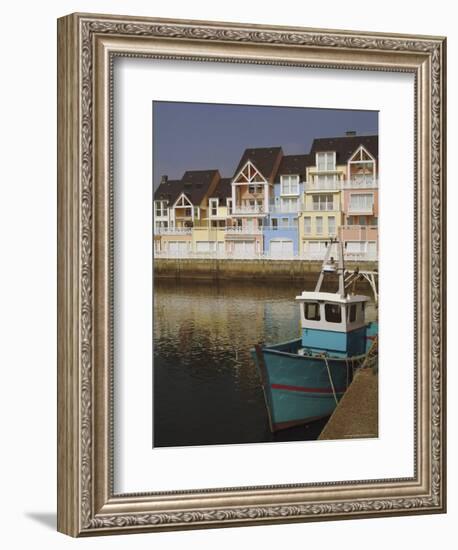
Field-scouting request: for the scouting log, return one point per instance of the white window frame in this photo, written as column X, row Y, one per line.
column 323, row 203
column 229, row 206
column 289, row 185
column 213, row 204
column 364, row 209
column 321, row 225
column 334, row 228
column 329, row 164
column 307, row 225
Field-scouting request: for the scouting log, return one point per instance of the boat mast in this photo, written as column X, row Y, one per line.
column 340, row 269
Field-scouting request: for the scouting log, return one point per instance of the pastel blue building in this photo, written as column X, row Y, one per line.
column 280, row 229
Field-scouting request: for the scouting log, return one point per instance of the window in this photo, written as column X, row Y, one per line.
column 251, row 189
column 374, row 220
column 332, row 225
column 289, row 185
column 312, row 311
column 213, row 207
column 323, row 202
column 333, row 313
column 355, row 247
column 289, row 205
column 284, row 222
column 326, row 161
column 319, row 225
column 161, row 208
column 274, row 223
column 352, row 313
column 229, row 205
column 361, row 202
column 326, row 181
column 307, row 225
column 196, row 211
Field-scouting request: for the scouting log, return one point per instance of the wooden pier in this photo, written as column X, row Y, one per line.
column 356, row 415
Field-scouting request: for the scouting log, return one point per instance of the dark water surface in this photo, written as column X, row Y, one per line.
column 206, row 387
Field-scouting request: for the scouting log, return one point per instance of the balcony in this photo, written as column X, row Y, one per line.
column 279, row 209
column 323, row 185
column 324, row 207
column 360, row 183
column 241, row 210
column 360, row 209
column 173, row 231
column 234, row 231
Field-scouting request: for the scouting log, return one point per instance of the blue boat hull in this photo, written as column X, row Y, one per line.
column 298, row 388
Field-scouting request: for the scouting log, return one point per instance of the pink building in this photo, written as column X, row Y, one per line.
column 359, row 230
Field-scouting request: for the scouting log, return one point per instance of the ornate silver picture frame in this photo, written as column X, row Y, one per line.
column 87, row 47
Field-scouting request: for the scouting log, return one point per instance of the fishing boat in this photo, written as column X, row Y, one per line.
column 304, row 379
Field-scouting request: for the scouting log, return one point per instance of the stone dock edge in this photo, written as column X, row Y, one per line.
column 356, row 415
column 239, row 269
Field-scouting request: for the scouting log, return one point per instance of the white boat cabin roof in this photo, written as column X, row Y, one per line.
column 330, row 297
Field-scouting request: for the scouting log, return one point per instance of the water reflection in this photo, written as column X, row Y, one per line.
column 206, row 388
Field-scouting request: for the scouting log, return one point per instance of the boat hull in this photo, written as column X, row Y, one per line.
column 299, row 389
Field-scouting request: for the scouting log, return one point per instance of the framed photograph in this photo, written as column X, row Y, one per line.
column 251, row 284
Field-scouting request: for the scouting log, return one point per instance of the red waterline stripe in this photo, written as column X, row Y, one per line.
column 303, row 389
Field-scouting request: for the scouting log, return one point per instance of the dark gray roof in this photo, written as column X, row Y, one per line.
column 195, row 184
column 295, row 164
column 223, row 189
column 168, row 191
column 345, row 146
column 265, row 159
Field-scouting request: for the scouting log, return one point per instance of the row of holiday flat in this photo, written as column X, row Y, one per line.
column 275, row 205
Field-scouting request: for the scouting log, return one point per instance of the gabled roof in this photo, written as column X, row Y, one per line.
column 168, row 191
column 345, row 146
column 295, row 164
column 265, row 159
column 195, row 184
column 223, row 189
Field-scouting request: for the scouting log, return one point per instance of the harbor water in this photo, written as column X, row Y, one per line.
column 206, row 390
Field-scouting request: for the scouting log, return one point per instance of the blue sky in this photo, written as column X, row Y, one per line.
column 200, row 136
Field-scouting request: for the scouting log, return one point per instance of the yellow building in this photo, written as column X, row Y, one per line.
column 321, row 209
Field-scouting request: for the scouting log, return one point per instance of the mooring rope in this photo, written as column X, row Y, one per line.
column 330, row 379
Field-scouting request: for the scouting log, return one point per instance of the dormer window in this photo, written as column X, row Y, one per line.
column 289, row 185
column 326, row 162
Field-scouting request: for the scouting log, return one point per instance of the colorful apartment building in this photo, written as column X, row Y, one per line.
column 275, row 205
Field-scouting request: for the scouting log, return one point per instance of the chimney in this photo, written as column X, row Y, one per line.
column 349, row 133
column 164, row 178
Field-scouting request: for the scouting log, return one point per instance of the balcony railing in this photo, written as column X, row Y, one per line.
column 360, row 209
column 324, row 206
column 173, row 231
column 323, row 185
column 360, row 183
column 280, row 227
column 337, row 185
column 243, row 230
column 279, row 209
column 248, row 209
